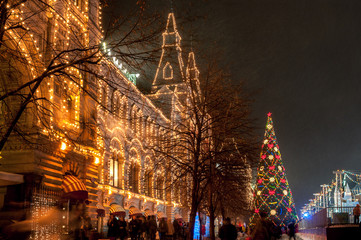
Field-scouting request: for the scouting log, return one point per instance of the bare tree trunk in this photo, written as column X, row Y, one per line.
column 194, row 208
column 211, row 219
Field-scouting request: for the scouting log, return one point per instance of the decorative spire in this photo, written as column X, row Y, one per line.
column 192, row 70
column 192, row 75
column 170, row 70
column 171, row 36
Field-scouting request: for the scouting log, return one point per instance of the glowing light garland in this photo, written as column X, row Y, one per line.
column 273, row 194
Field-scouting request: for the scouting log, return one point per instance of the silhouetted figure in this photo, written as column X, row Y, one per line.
column 262, row 230
column 356, row 214
column 152, row 227
column 177, row 229
column 122, row 233
column 134, row 228
column 163, row 228
column 292, row 230
column 112, row 227
column 228, row 231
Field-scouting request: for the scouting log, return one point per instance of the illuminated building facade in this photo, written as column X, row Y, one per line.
column 99, row 132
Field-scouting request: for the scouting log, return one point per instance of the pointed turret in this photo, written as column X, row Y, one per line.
column 171, row 36
column 192, row 75
column 170, row 68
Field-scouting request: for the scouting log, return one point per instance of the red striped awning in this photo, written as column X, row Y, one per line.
column 74, row 188
column 134, row 211
column 161, row 215
column 116, row 209
column 148, row 212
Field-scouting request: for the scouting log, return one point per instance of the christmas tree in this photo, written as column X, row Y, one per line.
column 272, row 193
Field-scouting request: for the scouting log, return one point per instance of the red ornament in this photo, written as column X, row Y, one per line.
column 283, row 181
column 271, row 167
column 263, row 157
column 270, row 145
column 289, row 209
column 256, row 210
column 269, row 114
column 278, row 156
column 260, row 180
column 271, row 192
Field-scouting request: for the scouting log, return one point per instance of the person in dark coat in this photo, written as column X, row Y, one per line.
column 228, row 231
column 163, row 228
column 152, row 227
column 177, row 229
column 122, row 233
column 292, row 230
column 262, row 230
column 134, row 228
column 112, row 227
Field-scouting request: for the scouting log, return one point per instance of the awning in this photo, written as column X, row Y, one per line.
column 134, row 211
column 116, row 209
column 74, row 188
column 161, row 215
column 147, row 213
column 178, row 216
column 7, row 179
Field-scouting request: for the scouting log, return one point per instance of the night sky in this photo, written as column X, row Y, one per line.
column 303, row 58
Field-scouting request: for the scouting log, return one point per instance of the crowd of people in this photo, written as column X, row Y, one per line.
column 145, row 228
column 263, row 230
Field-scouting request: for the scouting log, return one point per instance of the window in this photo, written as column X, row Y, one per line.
column 134, row 178
column 70, row 108
column 167, row 71
column 148, row 183
column 159, row 188
column 114, row 171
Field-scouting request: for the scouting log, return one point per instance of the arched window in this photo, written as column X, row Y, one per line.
column 168, row 71
column 148, row 183
column 134, row 178
column 159, row 187
column 134, row 171
column 114, row 170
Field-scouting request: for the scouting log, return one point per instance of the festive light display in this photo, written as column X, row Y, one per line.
column 272, row 192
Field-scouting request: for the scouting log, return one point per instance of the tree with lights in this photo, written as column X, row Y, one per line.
column 212, row 139
column 272, row 193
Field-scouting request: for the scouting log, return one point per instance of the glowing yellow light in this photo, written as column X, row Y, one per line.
column 63, row 146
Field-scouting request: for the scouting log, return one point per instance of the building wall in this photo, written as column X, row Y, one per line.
column 111, row 122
